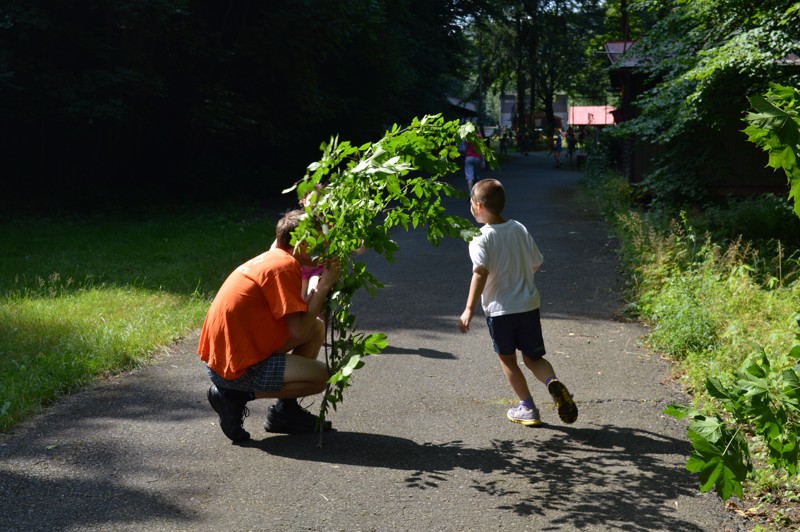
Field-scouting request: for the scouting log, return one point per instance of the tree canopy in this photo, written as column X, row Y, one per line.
column 702, row 60
column 130, row 100
column 536, row 49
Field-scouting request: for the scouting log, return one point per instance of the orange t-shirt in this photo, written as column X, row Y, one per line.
column 246, row 322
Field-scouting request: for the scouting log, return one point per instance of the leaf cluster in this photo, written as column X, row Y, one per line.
column 357, row 196
column 758, row 399
column 703, row 58
column 775, row 127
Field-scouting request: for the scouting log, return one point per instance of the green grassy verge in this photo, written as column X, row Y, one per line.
column 714, row 286
column 83, row 297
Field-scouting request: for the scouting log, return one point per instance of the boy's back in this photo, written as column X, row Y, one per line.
column 510, row 255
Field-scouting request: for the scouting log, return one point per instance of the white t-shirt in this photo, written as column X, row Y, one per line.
column 511, row 257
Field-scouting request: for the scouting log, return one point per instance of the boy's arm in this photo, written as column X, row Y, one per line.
column 479, row 275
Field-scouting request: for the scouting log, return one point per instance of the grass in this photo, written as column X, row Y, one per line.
column 83, row 297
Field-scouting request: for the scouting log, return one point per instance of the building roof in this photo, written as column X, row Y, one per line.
column 591, row 115
column 615, row 51
column 463, row 108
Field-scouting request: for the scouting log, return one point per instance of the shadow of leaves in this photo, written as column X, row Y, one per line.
column 598, row 476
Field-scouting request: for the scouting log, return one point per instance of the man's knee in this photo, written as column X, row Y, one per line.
column 318, row 331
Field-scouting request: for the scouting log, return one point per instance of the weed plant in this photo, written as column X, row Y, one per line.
column 712, row 287
column 91, row 296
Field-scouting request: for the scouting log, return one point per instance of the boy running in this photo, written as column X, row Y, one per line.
column 504, row 261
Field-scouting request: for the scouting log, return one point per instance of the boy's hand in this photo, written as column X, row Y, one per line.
column 463, row 322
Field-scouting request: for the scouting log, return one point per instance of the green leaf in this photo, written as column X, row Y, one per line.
column 784, row 158
column 375, row 343
column 728, row 396
column 795, row 352
column 769, row 116
column 708, row 428
column 716, row 469
column 677, row 411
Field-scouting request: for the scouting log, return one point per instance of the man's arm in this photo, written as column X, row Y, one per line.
column 476, row 285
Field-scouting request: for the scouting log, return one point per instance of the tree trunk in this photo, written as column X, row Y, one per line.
column 533, row 57
column 521, row 116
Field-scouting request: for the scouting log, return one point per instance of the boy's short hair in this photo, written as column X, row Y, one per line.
column 286, row 225
column 490, row 192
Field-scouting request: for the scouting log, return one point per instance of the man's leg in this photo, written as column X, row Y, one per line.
column 304, row 375
column 301, row 378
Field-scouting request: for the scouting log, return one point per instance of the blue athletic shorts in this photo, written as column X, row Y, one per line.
column 266, row 376
column 522, row 331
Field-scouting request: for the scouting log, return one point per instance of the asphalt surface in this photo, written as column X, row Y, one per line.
column 422, row 442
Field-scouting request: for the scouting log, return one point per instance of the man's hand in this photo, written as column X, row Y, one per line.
column 330, row 274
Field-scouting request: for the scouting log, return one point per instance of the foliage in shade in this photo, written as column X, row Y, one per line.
column 169, row 100
column 758, row 398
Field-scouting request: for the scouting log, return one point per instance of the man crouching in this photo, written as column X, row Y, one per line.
column 261, row 339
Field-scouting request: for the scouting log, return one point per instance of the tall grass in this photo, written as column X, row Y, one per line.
column 89, row 296
column 714, row 286
column 708, row 298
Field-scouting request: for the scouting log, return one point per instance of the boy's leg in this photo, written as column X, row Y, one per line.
column 526, row 413
column 515, row 376
column 543, row 370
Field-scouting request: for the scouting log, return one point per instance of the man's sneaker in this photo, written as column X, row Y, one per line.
column 230, row 405
column 524, row 416
column 292, row 419
column 567, row 410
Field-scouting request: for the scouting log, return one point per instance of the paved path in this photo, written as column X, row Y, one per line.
column 422, row 441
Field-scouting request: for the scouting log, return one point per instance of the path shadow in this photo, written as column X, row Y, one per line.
column 607, row 476
column 419, row 351
column 99, row 503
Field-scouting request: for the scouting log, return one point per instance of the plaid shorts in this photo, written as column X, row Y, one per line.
column 266, row 376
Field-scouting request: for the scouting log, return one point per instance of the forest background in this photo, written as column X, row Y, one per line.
column 123, row 102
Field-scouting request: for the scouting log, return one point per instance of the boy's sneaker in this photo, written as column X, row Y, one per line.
column 567, row 410
column 524, row 416
column 291, row 420
column 230, row 405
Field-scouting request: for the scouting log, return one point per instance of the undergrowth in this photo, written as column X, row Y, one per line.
column 714, row 287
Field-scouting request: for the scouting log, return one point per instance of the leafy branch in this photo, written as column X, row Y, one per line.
column 775, row 127
column 359, row 195
column 760, row 400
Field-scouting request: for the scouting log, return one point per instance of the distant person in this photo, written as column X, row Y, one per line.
column 503, row 144
column 522, row 142
column 261, row 339
column 473, row 163
column 571, row 145
column 504, row 261
column 558, row 145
